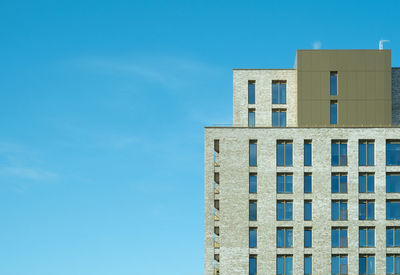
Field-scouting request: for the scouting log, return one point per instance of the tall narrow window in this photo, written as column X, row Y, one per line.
column 334, row 82
column 307, row 153
column 253, row 265
column 393, row 264
column 366, row 153
column 339, row 152
column 284, row 265
column 252, row 92
column 339, row 237
column 393, row 236
column 284, row 153
column 307, row 237
column 339, row 210
column 252, row 118
column 284, row 210
column 334, row 116
column 252, row 237
column 279, row 118
column 253, row 153
column 253, row 183
column 307, row 264
column 307, row 210
column 392, row 182
column 278, row 92
column 366, row 183
column 284, row 183
column 284, row 237
column 393, row 152
column 252, row 210
column 393, row 210
column 366, row 237
column 366, row 264
column 366, row 210
column 339, row 264
column 339, row 183
column 307, row 182
column 216, row 152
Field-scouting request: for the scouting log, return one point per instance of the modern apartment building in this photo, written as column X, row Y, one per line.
column 307, row 179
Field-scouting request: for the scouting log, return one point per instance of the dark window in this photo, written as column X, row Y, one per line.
column 252, row 237
column 339, row 210
column 339, row 183
column 307, row 153
column 366, row 264
column 284, row 237
column 334, row 82
column 393, row 210
column 339, row 236
column 252, row 92
column 253, row 265
column 334, row 116
column 366, row 237
column 253, row 183
column 393, row 264
column 253, row 153
column 393, row 152
column 278, row 118
column 366, row 153
column 284, row 265
column 307, row 182
column 366, row 210
column 393, row 182
column 284, row 183
column 307, row 237
column 284, row 211
column 339, row 152
column 339, row 264
column 307, row 264
column 278, row 92
column 307, row 210
column 284, row 153
column 393, row 236
column 253, row 210
column 252, row 118
column 366, row 182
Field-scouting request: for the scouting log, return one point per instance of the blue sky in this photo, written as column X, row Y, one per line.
column 102, row 109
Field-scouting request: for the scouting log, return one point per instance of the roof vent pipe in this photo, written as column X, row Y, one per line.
column 381, row 43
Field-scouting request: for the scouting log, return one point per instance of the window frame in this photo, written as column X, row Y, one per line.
column 251, row 82
column 307, row 202
column 394, row 256
column 367, row 210
column 251, row 237
column 340, row 202
column 340, row 175
column 336, row 76
column 367, row 176
column 286, row 146
column 308, row 151
column 342, row 158
column 308, row 229
column 279, row 83
column 387, row 209
column 287, row 242
column 367, row 257
column 282, row 122
column 285, row 183
column 252, row 202
column 366, row 143
column 252, row 183
column 253, row 160
column 395, row 240
column 285, row 257
column 285, row 204
column 334, row 112
column 397, row 159
column 306, row 175
column 254, row 258
column 340, row 229
column 340, row 257
column 367, row 236
column 252, row 123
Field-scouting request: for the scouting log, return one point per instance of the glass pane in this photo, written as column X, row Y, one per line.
column 253, row 266
column 289, row 238
column 397, row 237
column 362, row 154
column 252, row 94
column 389, row 265
column 253, row 184
column 343, row 265
column 280, row 184
column 335, row 265
column 275, row 119
column 280, row 238
column 253, row 211
column 253, row 238
column 393, row 183
column 253, row 154
column 392, row 153
column 370, row 154
column 335, row 184
column 335, row 154
column 307, row 183
column 343, row 154
column 282, row 119
column 371, row 237
column 333, row 81
column 280, row 211
column 343, row 211
column 289, row 211
column 362, row 183
column 307, row 154
column 282, row 93
column 362, row 238
column 307, row 265
column 343, row 184
column 288, row 154
column 343, row 238
column 275, row 93
column 289, row 265
column 370, row 183
column 362, row 211
column 371, row 265
column 333, row 113
column 392, row 210
column 335, row 238
column 335, row 211
column 280, row 266
column 307, row 211
column 252, row 119
column 307, row 238
column 371, row 210
column 362, row 265
column 397, row 264
column 280, row 157
column 389, row 237
column 289, row 183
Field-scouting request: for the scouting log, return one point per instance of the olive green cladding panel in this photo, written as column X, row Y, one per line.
column 363, row 91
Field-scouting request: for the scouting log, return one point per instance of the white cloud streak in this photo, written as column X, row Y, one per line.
column 317, row 45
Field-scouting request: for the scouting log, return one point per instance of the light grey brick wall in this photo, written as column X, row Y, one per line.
column 234, row 198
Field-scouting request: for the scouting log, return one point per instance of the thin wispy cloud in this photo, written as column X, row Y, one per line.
column 316, row 45
column 28, row 173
